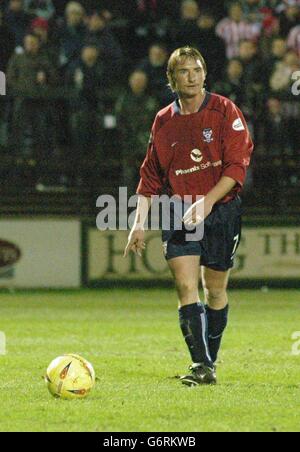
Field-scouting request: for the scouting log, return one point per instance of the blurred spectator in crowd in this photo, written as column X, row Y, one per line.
column 294, row 40
column 72, row 33
column 277, row 136
column 281, row 5
column 40, row 8
column 270, row 23
column 7, row 40
column 254, row 78
column 211, row 46
column 233, row 29
column 86, row 85
column 255, row 81
column 281, row 78
column 277, row 52
column 254, row 10
column 251, row 55
column 281, row 87
column 148, row 21
column 85, row 78
column 100, row 35
column 278, row 49
column 289, row 18
column 31, row 80
column 252, row 63
column 17, row 20
column 135, row 111
column 155, row 66
column 40, row 27
column 262, row 12
column 196, row 27
column 186, row 30
column 30, row 74
column 232, row 85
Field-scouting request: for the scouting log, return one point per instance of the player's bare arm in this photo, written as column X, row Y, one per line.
column 136, row 239
column 199, row 212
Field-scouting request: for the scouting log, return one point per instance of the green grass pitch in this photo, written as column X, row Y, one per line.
column 133, row 340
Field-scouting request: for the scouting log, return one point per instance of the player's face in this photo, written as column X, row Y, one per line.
column 190, row 77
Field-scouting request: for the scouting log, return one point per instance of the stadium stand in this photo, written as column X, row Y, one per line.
column 84, row 80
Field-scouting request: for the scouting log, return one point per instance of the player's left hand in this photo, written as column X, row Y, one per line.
column 198, row 212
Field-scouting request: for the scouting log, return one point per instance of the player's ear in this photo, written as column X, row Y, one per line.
column 174, row 82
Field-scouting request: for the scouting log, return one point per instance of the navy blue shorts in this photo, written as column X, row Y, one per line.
column 222, row 235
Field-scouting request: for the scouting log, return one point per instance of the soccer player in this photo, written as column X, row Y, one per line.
column 200, row 145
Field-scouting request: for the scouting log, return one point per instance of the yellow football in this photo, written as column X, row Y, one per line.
column 70, row 377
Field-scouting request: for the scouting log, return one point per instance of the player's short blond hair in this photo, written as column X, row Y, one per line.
column 177, row 57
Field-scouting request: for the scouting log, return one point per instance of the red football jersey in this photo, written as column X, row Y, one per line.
column 188, row 154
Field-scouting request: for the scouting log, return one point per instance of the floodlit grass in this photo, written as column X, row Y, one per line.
column 133, row 340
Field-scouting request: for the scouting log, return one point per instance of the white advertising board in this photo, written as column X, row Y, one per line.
column 264, row 253
column 40, row 253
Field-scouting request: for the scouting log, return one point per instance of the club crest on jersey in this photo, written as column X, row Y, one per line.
column 208, row 135
column 196, row 155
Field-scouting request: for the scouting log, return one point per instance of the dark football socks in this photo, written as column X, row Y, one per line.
column 193, row 324
column 217, row 322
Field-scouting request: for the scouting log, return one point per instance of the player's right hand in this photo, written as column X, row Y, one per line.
column 136, row 242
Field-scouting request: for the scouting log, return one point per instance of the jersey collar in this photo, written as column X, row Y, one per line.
column 176, row 105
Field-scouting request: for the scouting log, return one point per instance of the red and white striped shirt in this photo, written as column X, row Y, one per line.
column 294, row 39
column 233, row 33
